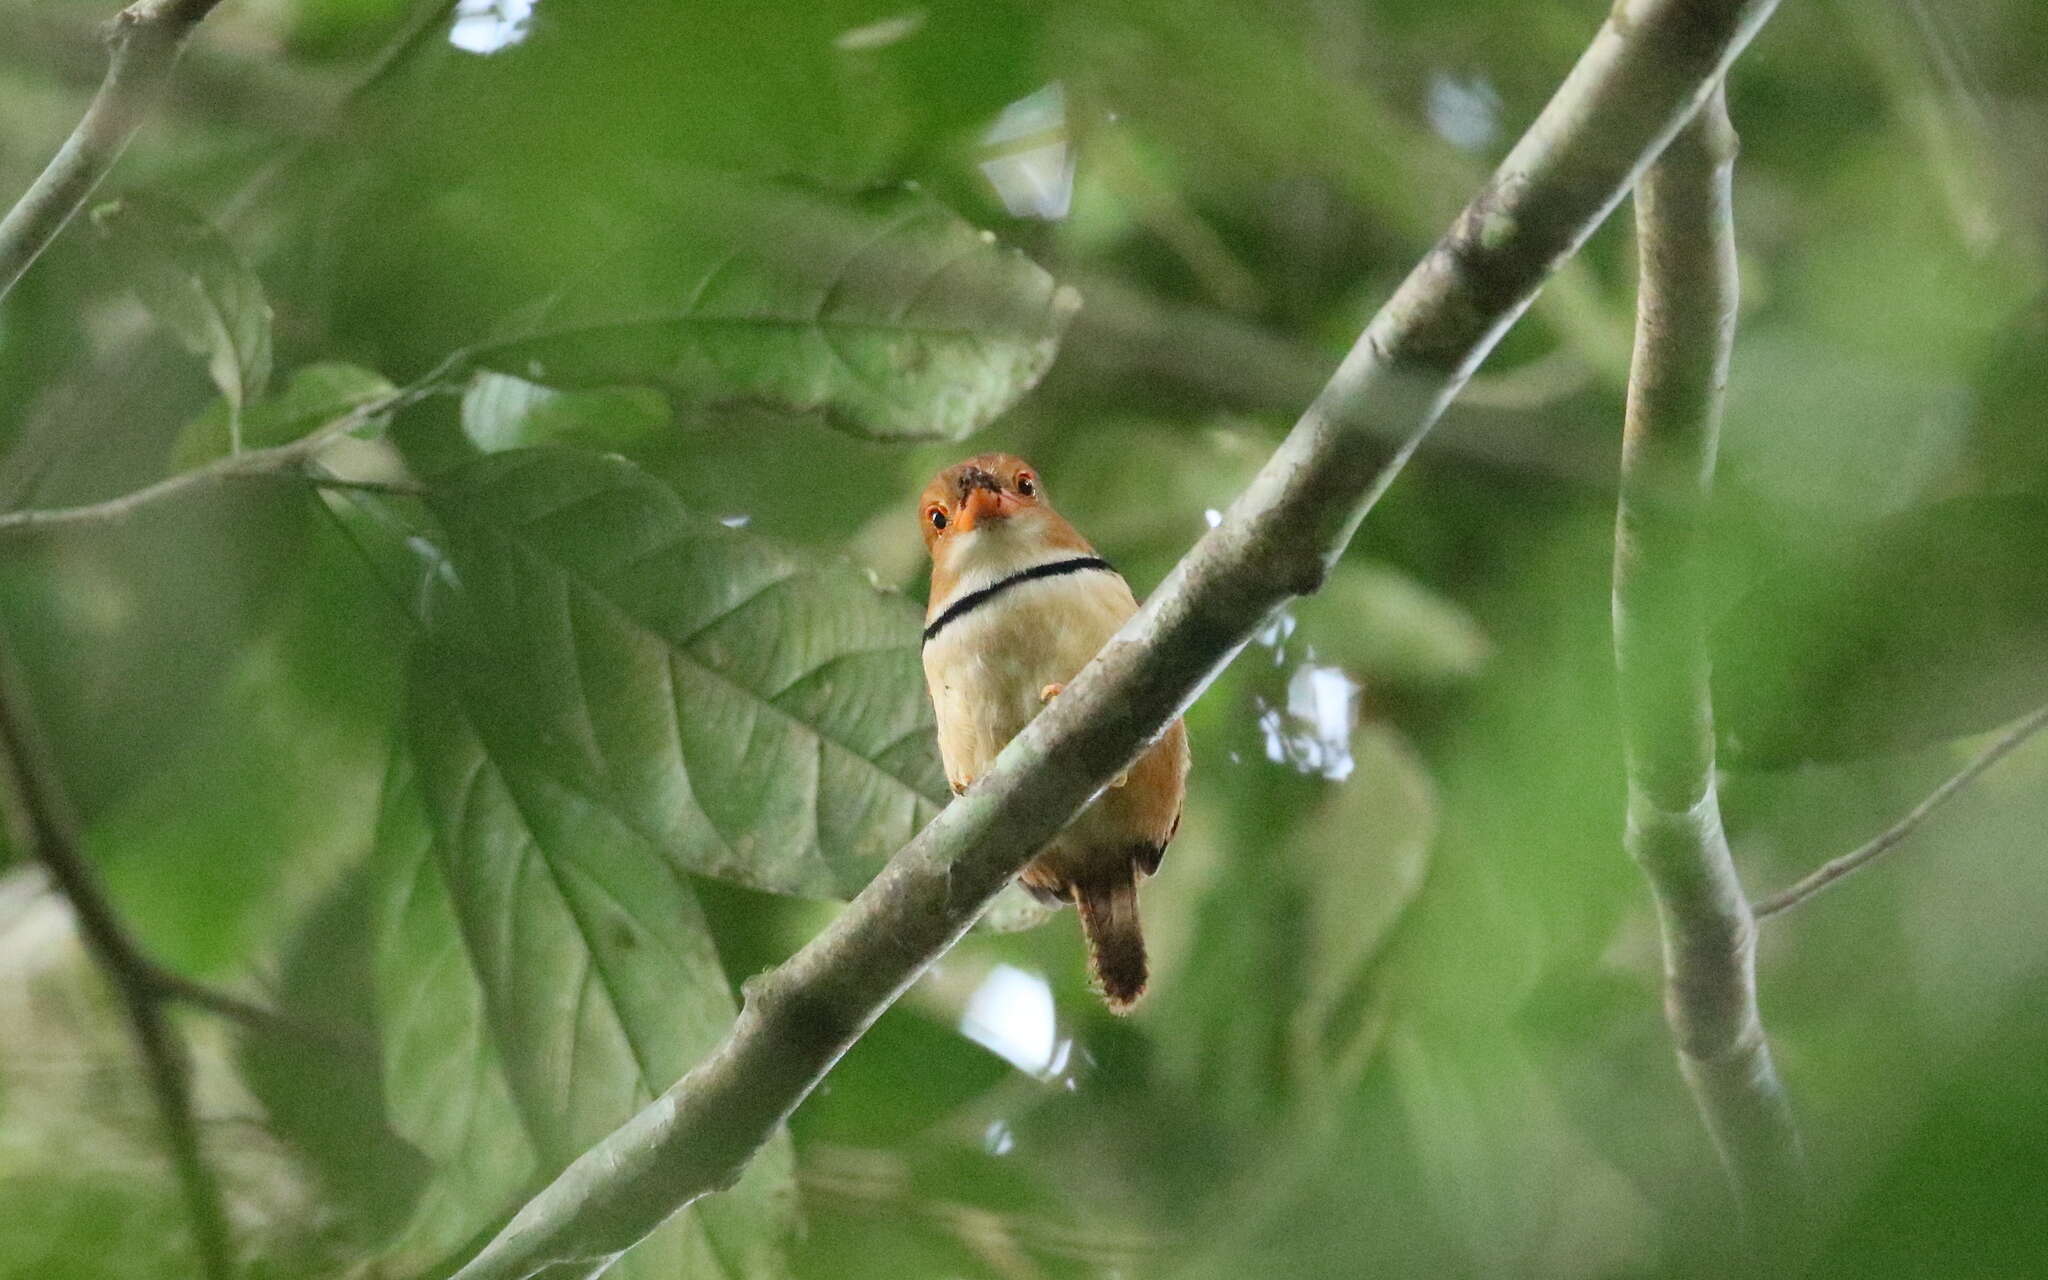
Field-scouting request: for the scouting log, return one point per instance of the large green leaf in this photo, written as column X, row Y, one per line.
column 545, row 974
column 197, row 286
column 760, row 718
column 1929, row 625
column 892, row 318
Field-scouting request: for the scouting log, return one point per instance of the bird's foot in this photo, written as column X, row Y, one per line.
column 960, row 785
column 1050, row 692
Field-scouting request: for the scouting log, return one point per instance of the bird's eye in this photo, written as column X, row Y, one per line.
column 937, row 517
column 1025, row 485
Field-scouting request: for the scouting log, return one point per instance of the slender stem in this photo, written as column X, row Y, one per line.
column 1646, row 72
column 261, row 464
column 1685, row 327
column 388, row 488
column 257, row 1018
column 144, row 42
column 52, row 836
column 1829, row 872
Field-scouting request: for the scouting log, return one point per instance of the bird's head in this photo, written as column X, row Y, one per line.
column 991, row 507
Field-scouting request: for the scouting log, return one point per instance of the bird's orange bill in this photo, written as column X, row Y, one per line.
column 986, row 504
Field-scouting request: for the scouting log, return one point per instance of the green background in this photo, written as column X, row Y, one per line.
column 1405, row 1017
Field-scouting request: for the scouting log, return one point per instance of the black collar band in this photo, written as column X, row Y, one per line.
column 975, row 599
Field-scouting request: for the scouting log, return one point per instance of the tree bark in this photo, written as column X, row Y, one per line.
column 145, row 40
column 1685, row 327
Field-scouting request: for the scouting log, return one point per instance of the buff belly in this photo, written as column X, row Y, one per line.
column 986, row 672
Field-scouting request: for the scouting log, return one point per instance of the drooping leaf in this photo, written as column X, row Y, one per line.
column 501, row 412
column 1931, row 625
column 196, row 285
column 561, row 979
column 760, row 718
column 314, row 396
column 892, row 318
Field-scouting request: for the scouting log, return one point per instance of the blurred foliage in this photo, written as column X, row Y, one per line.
column 510, row 764
column 197, row 287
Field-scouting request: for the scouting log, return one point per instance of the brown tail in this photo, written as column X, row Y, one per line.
column 1116, row 942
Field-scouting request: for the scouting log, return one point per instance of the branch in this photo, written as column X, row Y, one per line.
column 144, row 42
column 1645, row 73
column 1856, row 859
column 258, row 1019
column 1685, row 326
column 51, row 833
column 260, row 464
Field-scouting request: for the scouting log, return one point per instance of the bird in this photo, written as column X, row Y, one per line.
column 1019, row 604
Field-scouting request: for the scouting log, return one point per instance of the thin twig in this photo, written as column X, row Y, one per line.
column 53, row 840
column 1644, row 75
column 144, row 41
column 253, row 1016
column 1833, row 870
column 282, row 460
column 389, row 488
column 1685, row 328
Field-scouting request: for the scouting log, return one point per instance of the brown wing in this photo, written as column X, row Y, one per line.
column 1156, row 792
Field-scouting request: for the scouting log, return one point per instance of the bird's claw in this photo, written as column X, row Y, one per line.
column 1050, row 692
column 960, row 785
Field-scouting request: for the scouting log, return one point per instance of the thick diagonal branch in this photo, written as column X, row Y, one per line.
column 144, row 41
column 1645, row 73
column 1685, row 326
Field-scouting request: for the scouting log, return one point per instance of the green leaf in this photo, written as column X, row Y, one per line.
column 1527, row 1193
column 560, row 980
column 1384, row 625
column 501, row 412
column 197, row 286
column 443, row 1075
column 760, row 718
column 1365, row 851
column 1340, row 864
column 316, row 395
column 1930, row 625
column 891, row 317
